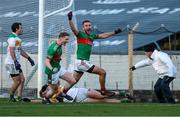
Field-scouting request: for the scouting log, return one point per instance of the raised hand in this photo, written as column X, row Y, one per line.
column 70, row 15
column 117, row 31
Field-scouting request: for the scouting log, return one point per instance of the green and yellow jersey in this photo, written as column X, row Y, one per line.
column 13, row 41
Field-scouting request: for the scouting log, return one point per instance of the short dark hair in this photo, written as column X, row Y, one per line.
column 63, row 34
column 15, row 26
column 43, row 88
column 150, row 48
column 85, row 21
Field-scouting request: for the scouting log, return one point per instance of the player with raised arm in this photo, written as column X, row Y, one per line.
column 85, row 40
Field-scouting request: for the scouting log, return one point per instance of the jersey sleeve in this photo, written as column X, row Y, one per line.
column 79, row 35
column 51, row 50
column 12, row 42
column 143, row 63
column 94, row 36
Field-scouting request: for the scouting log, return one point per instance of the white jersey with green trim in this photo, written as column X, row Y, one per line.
column 13, row 41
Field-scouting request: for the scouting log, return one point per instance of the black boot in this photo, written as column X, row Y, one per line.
column 171, row 100
column 12, row 99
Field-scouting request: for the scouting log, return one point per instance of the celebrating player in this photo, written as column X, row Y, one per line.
column 85, row 41
column 53, row 68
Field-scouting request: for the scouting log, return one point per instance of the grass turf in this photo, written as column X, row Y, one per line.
column 88, row 109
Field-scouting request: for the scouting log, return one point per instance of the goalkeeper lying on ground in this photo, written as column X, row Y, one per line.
column 51, row 93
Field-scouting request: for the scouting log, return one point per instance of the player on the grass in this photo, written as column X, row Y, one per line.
column 12, row 62
column 85, row 40
column 165, row 69
column 50, row 93
column 79, row 95
column 53, row 68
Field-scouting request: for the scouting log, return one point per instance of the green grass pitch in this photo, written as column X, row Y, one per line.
column 88, row 109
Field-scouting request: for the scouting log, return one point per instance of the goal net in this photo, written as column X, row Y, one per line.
column 54, row 21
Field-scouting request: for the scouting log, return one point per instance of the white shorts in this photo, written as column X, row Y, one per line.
column 56, row 76
column 11, row 69
column 81, row 95
column 83, row 65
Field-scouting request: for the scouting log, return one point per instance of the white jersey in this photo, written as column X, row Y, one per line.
column 73, row 93
column 13, row 41
column 78, row 95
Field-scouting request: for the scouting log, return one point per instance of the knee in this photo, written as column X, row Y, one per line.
column 22, row 80
column 73, row 81
column 103, row 72
column 18, row 82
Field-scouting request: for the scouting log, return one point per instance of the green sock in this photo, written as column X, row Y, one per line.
column 19, row 98
column 11, row 96
column 122, row 93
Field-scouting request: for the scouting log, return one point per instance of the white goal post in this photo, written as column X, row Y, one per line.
column 42, row 42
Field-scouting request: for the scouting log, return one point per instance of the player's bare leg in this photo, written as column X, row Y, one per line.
column 76, row 76
column 70, row 81
column 102, row 75
column 95, row 94
column 20, row 88
column 102, row 80
column 15, row 85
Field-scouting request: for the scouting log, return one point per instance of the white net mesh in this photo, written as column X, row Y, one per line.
column 55, row 21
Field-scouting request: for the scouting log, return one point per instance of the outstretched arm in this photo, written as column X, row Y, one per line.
column 109, row 34
column 71, row 24
column 143, row 63
column 140, row 64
